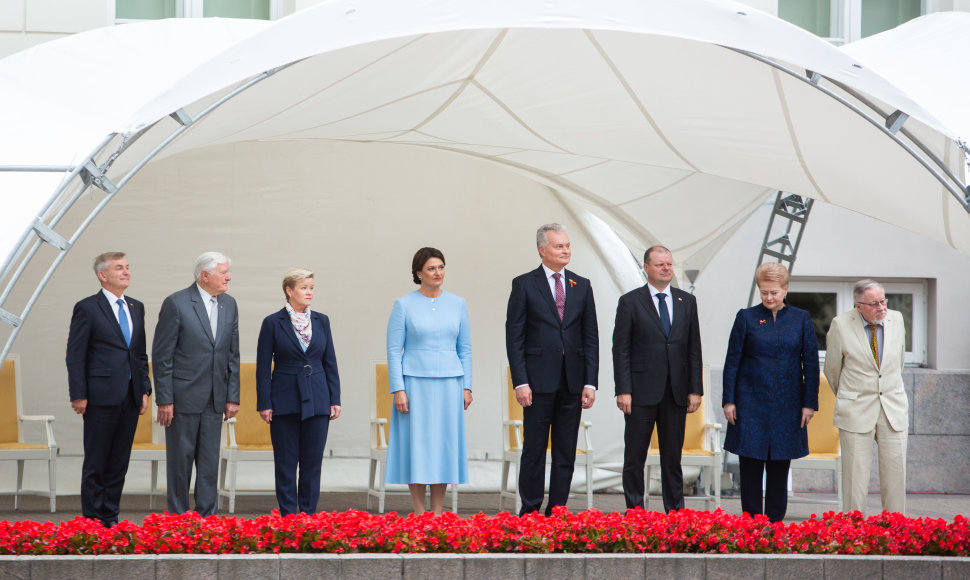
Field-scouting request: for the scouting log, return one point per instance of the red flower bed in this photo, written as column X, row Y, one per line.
column 590, row 531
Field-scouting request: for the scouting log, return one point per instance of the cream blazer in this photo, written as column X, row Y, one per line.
column 860, row 387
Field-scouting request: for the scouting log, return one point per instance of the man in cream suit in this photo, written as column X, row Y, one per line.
column 864, row 362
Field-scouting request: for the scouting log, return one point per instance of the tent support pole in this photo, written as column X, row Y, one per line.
column 792, row 211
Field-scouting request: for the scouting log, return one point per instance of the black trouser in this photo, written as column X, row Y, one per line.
column 561, row 412
column 108, row 435
column 298, row 457
column 776, row 487
column 670, row 419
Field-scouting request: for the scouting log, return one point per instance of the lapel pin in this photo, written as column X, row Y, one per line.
column 679, row 299
column 762, row 322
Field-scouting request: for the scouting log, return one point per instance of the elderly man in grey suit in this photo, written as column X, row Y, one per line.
column 864, row 356
column 195, row 363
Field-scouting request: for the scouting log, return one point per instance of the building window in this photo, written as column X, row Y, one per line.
column 881, row 15
column 814, row 16
column 824, row 299
column 255, row 9
column 146, row 9
column 134, row 10
column 843, row 21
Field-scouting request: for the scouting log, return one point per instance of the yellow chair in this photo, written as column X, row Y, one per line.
column 247, row 439
column 12, row 445
column 383, row 404
column 823, row 444
column 144, row 447
column 512, row 436
column 702, row 448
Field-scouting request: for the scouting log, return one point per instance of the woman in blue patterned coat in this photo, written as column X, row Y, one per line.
column 771, row 376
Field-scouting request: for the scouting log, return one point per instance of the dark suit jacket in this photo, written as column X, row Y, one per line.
column 285, row 386
column 643, row 356
column 538, row 343
column 187, row 364
column 99, row 363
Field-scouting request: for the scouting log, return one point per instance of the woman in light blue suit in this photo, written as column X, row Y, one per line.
column 298, row 395
column 429, row 363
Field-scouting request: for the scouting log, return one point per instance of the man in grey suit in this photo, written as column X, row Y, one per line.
column 195, row 363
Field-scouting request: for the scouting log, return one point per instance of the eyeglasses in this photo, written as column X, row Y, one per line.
column 875, row 304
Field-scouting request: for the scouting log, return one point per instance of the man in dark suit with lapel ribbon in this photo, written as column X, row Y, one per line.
column 195, row 363
column 107, row 374
column 553, row 349
column 657, row 369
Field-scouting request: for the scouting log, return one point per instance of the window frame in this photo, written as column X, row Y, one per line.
column 844, row 301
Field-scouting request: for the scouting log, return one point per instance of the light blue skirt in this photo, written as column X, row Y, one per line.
column 427, row 445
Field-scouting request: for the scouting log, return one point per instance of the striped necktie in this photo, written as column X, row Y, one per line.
column 874, row 343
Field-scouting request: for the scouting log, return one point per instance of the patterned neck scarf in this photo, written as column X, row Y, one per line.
column 301, row 324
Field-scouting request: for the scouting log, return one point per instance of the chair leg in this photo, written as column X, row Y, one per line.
column 515, row 489
column 646, row 487
column 717, row 484
column 454, row 498
column 223, row 468
column 371, row 483
column 52, row 481
column 504, row 488
column 382, row 492
column 589, row 483
column 154, row 488
column 838, row 480
column 20, row 484
column 232, row 485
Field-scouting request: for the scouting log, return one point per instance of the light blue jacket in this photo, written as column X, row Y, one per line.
column 428, row 339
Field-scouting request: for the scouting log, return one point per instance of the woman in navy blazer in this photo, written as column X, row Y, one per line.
column 770, row 392
column 297, row 391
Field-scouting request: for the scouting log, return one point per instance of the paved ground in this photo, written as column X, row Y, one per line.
column 135, row 507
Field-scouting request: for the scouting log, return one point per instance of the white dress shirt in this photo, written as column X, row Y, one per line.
column 669, row 300
column 114, row 308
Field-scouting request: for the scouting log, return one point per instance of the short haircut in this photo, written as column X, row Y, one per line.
column 421, row 258
column 294, row 276
column 542, row 239
column 771, row 272
column 101, row 262
column 208, row 262
column 860, row 287
column 652, row 249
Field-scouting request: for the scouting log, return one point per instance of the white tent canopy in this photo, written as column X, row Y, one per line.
column 694, row 110
column 651, row 120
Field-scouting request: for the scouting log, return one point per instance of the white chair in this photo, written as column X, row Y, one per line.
column 144, row 447
column 12, row 445
column 512, row 437
column 247, row 439
column 702, row 448
column 383, row 403
column 823, row 445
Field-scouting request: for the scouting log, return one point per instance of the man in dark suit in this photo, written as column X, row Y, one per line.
column 195, row 358
column 107, row 375
column 657, row 368
column 553, row 350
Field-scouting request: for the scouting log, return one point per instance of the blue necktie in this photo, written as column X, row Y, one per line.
column 664, row 313
column 123, row 321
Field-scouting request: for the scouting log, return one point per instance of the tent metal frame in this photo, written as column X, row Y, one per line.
column 91, row 173
column 793, row 211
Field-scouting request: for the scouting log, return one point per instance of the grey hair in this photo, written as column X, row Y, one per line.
column 101, row 262
column 541, row 238
column 208, row 262
column 860, row 287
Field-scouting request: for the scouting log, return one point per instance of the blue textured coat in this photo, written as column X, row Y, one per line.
column 771, row 372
